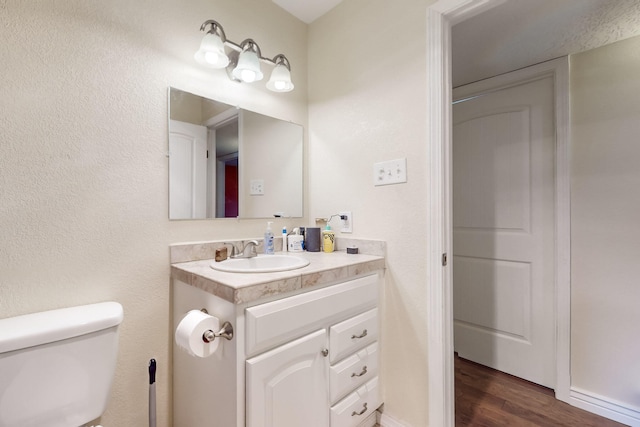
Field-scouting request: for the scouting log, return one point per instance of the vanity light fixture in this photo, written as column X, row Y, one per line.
column 243, row 61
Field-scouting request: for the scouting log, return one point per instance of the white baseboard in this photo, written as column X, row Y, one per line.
column 605, row 407
column 387, row 421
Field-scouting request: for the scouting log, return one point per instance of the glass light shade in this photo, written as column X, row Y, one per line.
column 211, row 52
column 280, row 80
column 248, row 68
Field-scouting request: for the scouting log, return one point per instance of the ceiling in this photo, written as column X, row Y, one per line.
column 307, row 10
column 520, row 33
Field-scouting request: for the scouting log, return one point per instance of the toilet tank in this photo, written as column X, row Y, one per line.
column 57, row 367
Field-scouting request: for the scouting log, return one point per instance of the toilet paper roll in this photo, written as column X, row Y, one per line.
column 190, row 330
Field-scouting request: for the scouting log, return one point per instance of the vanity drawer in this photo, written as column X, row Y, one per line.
column 276, row 322
column 356, row 407
column 352, row 372
column 352, row 334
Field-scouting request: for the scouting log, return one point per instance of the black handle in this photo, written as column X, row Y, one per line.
column 152, row 371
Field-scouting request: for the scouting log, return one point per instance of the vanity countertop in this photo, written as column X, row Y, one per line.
column 324, row 268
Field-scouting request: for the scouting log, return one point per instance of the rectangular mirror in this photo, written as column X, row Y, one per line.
column 227, row 162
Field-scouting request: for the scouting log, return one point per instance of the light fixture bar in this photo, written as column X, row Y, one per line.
column 263, row 59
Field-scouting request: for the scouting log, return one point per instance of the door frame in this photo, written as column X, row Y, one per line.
column 441, row 16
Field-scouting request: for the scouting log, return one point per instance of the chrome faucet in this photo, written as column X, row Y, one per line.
column 247, row 251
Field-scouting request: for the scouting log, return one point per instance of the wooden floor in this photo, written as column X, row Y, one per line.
column 485, row 397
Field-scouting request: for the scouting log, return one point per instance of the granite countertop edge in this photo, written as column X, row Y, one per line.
column 239, row 288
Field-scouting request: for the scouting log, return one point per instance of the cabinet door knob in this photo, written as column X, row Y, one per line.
column 364, row 371
column 364, row 409
column 325, row 352
column 362, row 335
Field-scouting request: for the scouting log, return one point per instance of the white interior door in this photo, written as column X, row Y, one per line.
column 187, row 170
column 503, row 229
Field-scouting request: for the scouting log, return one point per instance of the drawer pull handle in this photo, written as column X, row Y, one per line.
column 364, row 371
column 325, row 352
column 362, row 335
column 364, row 409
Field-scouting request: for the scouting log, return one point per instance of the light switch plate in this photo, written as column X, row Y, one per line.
column 256, row 187
column 390, row 172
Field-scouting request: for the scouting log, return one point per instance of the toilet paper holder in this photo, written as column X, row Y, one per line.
column 226, row 331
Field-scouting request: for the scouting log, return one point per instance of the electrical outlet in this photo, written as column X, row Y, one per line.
column 346, row 225
column 390, row 172
column 256, row 187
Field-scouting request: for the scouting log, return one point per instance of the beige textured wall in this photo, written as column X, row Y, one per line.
column 605, row 88
column 367, row 95
column 83, row 166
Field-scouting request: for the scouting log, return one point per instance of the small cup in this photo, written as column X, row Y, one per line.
column 312, row 239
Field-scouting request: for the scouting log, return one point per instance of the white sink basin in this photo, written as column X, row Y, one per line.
column 261, row 264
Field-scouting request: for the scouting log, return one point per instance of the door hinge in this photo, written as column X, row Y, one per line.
column 444, row 260
column 207, row 154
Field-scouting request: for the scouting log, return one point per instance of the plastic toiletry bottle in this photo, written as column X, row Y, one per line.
column 328, row 239
column 268, row 240
column 284, row 239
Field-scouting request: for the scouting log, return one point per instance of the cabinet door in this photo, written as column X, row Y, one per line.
column 288, row 386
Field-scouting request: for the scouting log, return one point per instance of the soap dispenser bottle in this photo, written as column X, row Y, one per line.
column 328, row 239
column 268, row 240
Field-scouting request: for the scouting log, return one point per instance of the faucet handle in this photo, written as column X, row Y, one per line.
column 233, row 249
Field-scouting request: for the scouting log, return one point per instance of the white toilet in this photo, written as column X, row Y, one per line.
column 56, row 367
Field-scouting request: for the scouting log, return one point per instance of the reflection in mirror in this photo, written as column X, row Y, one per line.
column 226, row 162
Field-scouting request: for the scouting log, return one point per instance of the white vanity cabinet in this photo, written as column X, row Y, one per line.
column 305, row 346
column 322, row 364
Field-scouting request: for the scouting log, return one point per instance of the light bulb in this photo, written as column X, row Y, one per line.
column 248, row 76
column 211, row 57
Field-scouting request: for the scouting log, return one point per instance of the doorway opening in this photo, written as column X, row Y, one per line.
column 440, row 18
